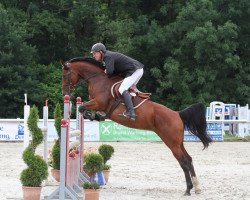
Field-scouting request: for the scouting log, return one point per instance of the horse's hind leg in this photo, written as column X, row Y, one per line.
column 192, row 172
column 183, row 161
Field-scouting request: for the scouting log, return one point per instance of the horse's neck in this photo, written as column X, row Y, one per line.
column 104, row 81
column 99, row 88
column 86, row 69
column 87, row 74
column 99, row 84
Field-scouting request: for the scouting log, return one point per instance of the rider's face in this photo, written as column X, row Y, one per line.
column 97, row 55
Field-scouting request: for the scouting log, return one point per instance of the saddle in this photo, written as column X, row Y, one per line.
column 137, row 96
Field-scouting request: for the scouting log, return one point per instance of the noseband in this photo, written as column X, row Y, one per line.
column 69, row 85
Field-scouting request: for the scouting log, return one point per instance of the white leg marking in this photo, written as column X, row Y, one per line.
column 196, row 185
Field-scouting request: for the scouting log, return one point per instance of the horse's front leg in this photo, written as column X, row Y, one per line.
column 90, row 105
column 92, row 115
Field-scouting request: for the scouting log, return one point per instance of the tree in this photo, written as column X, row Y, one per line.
column 203, row 65
column 192, row 51
column 17, row 60
column 50, row 36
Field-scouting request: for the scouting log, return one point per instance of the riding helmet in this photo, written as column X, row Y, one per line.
column 98, row 47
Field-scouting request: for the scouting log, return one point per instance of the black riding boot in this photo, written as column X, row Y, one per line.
column 130, row 113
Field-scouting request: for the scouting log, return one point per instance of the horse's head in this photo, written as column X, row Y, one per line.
column 69, row 78
column 79, row 68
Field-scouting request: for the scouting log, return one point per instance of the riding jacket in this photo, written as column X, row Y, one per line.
column 117, row 63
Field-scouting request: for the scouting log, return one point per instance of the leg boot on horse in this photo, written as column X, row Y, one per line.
column 130, row 113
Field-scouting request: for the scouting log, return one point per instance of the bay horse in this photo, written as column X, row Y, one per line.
column 166, row 123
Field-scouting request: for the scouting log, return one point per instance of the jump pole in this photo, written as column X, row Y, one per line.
column 80, row 126
column 45, row 130
column 70, row 167
column 26, row 135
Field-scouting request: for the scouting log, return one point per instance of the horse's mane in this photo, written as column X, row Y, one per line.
column 97, row 63
column 89, row 60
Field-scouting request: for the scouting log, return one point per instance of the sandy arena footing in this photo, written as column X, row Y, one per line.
column 148, row 171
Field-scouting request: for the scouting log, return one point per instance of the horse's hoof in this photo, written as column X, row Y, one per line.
column 197, row 191
column 81, row 109
column 187, row 194
column 100, row 116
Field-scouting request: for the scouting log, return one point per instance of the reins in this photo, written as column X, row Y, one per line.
column 70, row 85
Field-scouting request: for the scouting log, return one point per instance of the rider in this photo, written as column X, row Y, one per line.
column 117, row 63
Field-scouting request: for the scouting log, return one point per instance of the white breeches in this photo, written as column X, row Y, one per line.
column 131, row 80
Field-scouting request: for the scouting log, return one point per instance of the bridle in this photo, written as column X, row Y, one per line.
column 69, row 85
column 67, row 77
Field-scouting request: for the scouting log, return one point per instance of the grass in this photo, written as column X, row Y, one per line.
column 228, row 137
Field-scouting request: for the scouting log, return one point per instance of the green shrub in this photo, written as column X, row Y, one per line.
column 106, row 151
column 93, row 163
column 58, row 118
column 106, row 167
column 94, row 185
column 37, row 169
column 55, row 153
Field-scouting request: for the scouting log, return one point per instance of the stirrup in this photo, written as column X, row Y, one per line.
column 126, row 115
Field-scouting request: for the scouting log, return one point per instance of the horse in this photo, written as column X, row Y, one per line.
column 166, row 123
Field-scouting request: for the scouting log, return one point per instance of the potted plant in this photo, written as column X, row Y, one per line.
column 37, row 170
column 55, row 153
column 106, row 151
column 91, row 191
column 93, row 163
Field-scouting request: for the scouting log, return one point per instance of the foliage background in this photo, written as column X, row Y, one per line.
column 193, row 51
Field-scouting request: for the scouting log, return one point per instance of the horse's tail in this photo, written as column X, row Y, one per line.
column 194, row 120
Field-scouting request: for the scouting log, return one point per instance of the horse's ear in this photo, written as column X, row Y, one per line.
column 64, row 66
